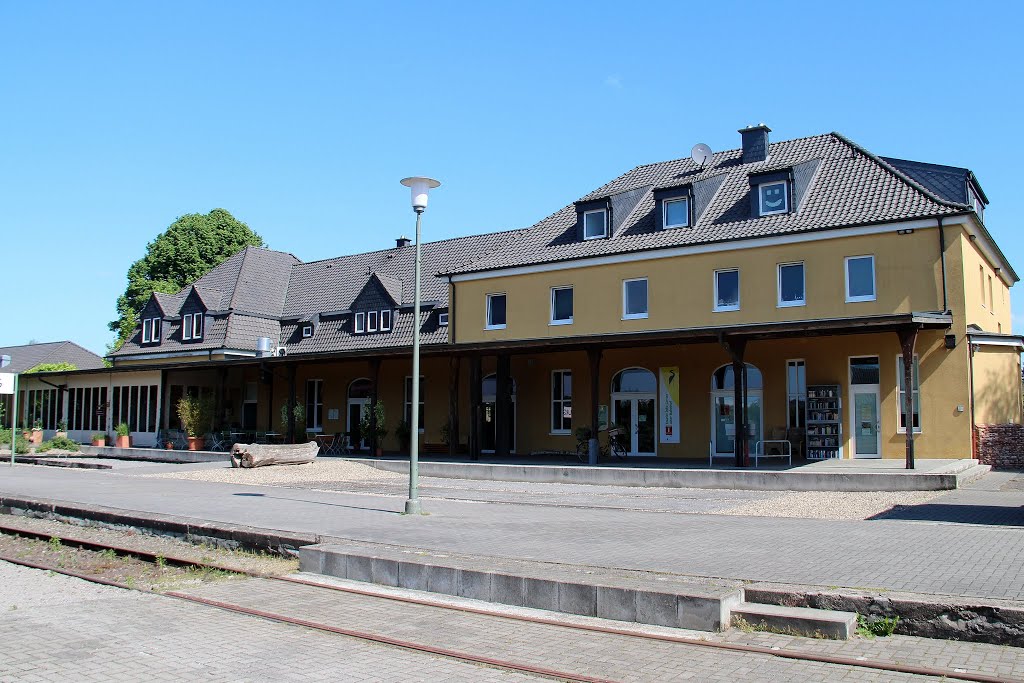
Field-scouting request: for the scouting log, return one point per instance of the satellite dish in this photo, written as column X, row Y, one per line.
column 700, row 154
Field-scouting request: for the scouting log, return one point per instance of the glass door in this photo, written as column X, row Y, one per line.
column 864, row 380
column 865, row 422
column 725, row 424
column 356, row 408
column 637, row 418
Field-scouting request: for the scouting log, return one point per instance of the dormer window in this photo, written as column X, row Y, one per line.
column 371, row 321
column 595, row 224
column 442, row 319
column 192, row 326
column 307, row 331
column 676, row 212
column 774, row 197
column 385, row 320
column 360, row 325
column 150, row 330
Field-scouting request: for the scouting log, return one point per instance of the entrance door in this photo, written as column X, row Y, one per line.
column 864, row 409
column 356, row 408
column 723, row 413
column 635, row 415
column 489, row 437
column 634, row 409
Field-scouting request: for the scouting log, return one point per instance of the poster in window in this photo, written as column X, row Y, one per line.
column 669, row 404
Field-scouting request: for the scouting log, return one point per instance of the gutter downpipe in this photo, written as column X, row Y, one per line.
column 942, row 259
column 970, row 384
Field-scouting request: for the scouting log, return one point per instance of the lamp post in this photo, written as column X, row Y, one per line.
column 420, row 187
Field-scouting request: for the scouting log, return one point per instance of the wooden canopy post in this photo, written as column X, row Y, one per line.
column 374, row 381
column 475, row 399
column 594, row 358
column 292, row 369
column 735, row 347
column 454, row 363
column 503, row 406
column 908, row 339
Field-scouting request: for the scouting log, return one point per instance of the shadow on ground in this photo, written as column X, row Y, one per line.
column 993, row 515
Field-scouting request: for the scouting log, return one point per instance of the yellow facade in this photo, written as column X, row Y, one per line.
column 908, row 277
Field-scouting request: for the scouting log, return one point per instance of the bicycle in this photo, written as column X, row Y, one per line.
column 613, row 448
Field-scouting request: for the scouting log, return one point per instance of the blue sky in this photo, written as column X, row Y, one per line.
column 300, row 118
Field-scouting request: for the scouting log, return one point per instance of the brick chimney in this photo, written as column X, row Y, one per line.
column 755, row 143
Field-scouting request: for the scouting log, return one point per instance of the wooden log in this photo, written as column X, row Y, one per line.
column 259, row 455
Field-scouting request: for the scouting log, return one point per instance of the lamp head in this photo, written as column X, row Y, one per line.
column 420, row 186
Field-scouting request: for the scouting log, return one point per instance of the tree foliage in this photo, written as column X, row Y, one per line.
column 189, row 248
column 52, row 367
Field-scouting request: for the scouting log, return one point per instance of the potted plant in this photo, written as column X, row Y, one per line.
column 62, row 429
column 375, row 436
column 124, row 439
column 404, row 433
column 196, row 415
column 36, row 436
column 299, row 411
column 99, row 439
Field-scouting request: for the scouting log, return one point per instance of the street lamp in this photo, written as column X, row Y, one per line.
column 420, row 187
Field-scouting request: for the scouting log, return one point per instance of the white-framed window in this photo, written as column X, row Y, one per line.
column 360, row 325
column 147, row 330
column 561, row 305
column 860, row 278
column 442, row 319
column 981, row 276
column 407, row 413
column 991, row 299
column 773, row 197
column 796, row 393
column 307, row 331
column 314, row 405
column 634, row 298
column 595, row 224
column 496, row 311
column 157, row 323
column 727, row 290
column 901, row 396
column 186, row 326
column 561, row 402
column 792, row 284
column 371, row 321
column 385, row 320
column 675, row 213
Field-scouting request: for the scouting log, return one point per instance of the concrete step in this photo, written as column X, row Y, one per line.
column 798, row 621
column 624, row 595
column 970, row 474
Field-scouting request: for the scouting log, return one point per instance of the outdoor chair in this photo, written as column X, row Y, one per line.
column 177, row 438
column 796, row 438
column 339, row 446
column 217, row 441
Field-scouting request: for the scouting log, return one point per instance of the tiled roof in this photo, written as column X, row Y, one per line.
column 334, row 335
column 333, row 284
column 851, row 186
column 948, row 182
column 28, row 356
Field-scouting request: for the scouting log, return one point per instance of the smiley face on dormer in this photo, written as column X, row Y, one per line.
column 773, row 198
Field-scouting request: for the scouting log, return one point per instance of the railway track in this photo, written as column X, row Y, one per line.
column 683, row 641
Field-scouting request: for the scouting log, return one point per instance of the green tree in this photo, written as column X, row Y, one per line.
column 191, row 247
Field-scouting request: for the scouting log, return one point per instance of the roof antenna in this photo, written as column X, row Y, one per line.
column 700, row 154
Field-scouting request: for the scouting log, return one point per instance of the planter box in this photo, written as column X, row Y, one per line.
column 99, row 442
column 36, row 436
column 196, row 443
column 124, row 442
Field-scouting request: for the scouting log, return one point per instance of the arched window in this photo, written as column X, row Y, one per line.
column 360, row 388
column 634, row 381
column 725, row 379
column 489, row 388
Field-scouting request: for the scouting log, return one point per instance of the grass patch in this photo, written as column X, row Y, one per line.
column 871, row 627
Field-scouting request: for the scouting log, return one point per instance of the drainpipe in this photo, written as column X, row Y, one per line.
column 942, row 259
column 970, row 397
column 451, row 311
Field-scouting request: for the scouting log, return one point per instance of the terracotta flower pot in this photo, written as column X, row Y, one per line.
column 169, row 446
column 124, row 442
column 36, row 436
column 99, row 442
column 196, row 443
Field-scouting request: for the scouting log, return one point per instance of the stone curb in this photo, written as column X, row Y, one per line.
column 700, row 479
column 231, row 536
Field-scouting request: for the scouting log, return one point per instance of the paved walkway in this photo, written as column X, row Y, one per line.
column 968, row 560
column 56, row 628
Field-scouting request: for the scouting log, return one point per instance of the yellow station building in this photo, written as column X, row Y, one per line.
column 789, row 292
